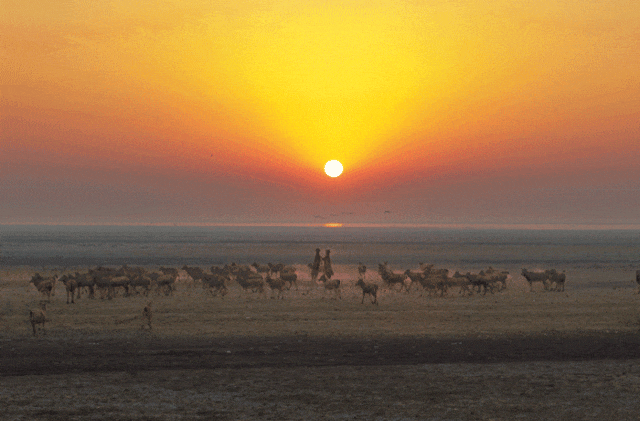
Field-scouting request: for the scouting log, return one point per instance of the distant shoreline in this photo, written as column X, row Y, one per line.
column 456, row 249
column 516, row 227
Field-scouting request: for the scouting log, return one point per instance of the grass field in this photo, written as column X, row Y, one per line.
column 511, row 355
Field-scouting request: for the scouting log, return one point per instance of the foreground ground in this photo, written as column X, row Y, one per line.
column 513, row 355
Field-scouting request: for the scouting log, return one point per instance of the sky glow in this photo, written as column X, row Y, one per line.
column 215, row 112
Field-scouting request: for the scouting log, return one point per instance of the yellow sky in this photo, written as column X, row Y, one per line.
column 305, row 81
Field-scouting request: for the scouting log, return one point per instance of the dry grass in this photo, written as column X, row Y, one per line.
column 192, row 312
column 526, row 390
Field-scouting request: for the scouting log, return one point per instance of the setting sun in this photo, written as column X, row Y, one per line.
column 199, row 111
column 333, row 168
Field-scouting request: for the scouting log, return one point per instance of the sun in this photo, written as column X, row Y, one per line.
column 333, row 168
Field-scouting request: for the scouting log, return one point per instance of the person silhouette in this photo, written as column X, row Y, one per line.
column 315, row 266
column 328, row 270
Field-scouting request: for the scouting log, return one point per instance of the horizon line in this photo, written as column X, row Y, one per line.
column 337, row 225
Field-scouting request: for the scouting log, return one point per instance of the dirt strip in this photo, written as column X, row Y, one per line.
column 58, row 356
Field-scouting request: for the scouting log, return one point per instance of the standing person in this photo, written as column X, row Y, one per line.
column 328, row 271
column 315, row 266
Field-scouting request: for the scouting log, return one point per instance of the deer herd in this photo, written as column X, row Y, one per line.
column 108, row 283
column 276, row 280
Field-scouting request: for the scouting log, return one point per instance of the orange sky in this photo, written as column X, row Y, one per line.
column 200, row 111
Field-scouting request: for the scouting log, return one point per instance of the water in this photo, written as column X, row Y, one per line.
column 612, row 251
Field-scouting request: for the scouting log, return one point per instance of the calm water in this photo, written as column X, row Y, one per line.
column 401, row 247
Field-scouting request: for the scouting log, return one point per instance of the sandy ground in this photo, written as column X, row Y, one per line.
column 513, row 355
